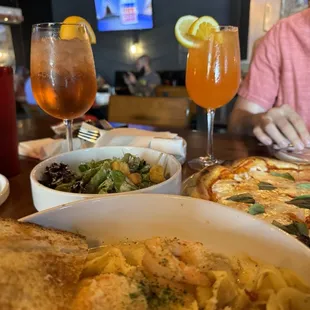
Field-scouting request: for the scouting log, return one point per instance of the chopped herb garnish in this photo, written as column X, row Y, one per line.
column 256, row 209
column 143, row 288
column 285, row 175
column 134, row 295
column 164, row 298
column 265, row 186
column 164, row 262
column 245, row 198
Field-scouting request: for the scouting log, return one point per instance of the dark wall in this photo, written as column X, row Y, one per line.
column 240, row 16
column 112, row 49
column 34, row 11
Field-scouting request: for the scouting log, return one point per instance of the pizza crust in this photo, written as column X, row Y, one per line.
column 207, row 178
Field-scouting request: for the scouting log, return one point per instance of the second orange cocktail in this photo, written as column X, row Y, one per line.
column 212, row 79
column 213, row 69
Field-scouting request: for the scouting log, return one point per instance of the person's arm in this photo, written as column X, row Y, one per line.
column 280, row 125
column 141, row 90
column 134, row 86
column 241, row 118
column 261, row 85
column 132, row 89
column 254, row 111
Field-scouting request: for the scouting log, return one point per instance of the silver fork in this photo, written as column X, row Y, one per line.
column 88, row 135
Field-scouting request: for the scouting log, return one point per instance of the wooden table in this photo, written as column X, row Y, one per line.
column 20, row 203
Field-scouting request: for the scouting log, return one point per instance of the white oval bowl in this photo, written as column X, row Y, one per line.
column 138, row 217
column 45, row 198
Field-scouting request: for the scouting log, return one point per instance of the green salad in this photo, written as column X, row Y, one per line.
column 115, row 175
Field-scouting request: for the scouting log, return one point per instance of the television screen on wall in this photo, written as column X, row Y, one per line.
column 116, row 15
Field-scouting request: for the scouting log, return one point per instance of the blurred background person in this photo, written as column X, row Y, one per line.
column 145, row 84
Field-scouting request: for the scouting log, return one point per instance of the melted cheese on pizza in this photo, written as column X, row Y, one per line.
column 274, row 201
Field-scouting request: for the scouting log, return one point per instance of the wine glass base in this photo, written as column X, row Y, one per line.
column 203, row 162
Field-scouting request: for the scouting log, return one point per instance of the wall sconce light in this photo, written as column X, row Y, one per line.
column 134, row 49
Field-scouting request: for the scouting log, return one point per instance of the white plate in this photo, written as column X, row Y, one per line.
column 141, row 216
column 301, row 157
column 290, row 155
column 4, row 189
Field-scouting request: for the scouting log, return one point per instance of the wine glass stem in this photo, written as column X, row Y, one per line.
column 68, row 124
column 210, row 126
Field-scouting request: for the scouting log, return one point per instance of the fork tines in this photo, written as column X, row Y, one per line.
column 88, row 135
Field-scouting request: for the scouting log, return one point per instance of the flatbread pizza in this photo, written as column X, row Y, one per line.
column 275, row 191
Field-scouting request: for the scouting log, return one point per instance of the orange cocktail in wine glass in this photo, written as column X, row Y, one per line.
column 213, row 70
column 63, row 74
column 212, row 75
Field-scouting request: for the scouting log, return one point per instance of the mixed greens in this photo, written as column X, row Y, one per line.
column 115, row 175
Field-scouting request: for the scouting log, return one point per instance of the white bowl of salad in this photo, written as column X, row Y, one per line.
column 103, row 171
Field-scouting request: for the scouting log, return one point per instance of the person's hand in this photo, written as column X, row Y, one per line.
column 282, row 126
column 126, row 79
column 131, row 77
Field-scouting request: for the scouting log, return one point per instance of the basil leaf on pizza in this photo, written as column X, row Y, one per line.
column 245, row 198
column 296, row 228
column 285, row 175
column 303, row 186
column 302, row 201
column 265, row 186
column 256, row 209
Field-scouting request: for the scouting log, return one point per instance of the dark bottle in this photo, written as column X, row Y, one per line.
column 9, row 162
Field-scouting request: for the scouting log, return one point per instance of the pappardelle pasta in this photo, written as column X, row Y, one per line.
column 164, row 273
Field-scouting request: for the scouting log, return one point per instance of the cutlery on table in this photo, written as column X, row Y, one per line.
column 91, row 133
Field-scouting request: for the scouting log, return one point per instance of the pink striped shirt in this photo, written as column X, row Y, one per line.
column 280, row 70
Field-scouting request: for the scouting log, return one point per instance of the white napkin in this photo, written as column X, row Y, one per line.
column 45, row 148
column 165, row 142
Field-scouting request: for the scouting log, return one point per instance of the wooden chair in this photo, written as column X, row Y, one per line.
column 171, row 91
column 175, row 92
column 152, row 111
